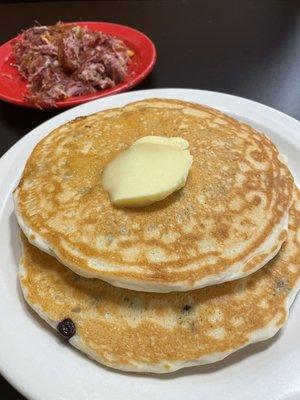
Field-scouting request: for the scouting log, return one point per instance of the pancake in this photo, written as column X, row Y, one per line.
column 228, row 221
column 156, row 332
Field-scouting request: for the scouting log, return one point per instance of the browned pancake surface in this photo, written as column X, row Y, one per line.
column 236, row 196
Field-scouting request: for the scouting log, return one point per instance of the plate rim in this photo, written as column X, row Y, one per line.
column 77, row 100
column 6, row 161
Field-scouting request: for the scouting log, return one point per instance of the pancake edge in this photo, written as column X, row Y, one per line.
column 236, row 271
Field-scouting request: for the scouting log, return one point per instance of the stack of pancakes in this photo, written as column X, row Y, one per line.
column 185, row 281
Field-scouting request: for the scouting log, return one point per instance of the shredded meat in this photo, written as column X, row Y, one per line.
column 61, row 61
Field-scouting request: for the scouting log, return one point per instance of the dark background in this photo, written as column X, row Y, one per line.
column 250, row 48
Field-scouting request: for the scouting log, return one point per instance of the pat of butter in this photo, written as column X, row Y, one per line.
column 168, row 141
column 149, row 171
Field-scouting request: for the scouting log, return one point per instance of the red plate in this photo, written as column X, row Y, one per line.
column 13, row 87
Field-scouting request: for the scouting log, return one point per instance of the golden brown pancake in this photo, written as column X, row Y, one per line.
column 227, row 222
column 157, row 332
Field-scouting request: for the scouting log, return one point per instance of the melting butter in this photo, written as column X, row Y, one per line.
column 149, row 171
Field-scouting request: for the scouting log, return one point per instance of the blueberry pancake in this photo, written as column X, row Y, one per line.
column 228, row 220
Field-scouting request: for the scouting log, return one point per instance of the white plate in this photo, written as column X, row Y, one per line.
column 40, row 366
